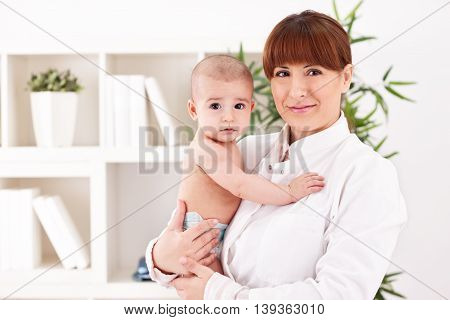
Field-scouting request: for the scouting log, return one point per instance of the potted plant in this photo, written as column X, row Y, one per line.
column 54, row 103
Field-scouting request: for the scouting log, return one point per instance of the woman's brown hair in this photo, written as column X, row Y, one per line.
column 308, row 37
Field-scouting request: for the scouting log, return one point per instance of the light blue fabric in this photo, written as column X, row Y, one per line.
column 192, row 218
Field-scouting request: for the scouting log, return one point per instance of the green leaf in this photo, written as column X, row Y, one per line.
column 390, row 155
column 353, row 12
column 393, row 274
column 401, row 83
column 392, row 292
column 335, row 11
column 361, row 39
column 395, row 93
column 240, row 55
column 387, row 73
column 378, row 146
column 350, row 25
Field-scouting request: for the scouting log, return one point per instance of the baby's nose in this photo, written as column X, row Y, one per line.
column 227, row 116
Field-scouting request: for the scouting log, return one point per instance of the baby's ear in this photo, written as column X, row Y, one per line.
column 192, row 109
column 252, row 106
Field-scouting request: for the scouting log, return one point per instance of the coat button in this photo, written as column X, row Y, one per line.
column 282, row 171
column 270, row 167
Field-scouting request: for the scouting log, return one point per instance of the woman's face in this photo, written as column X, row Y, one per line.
column 308, row 96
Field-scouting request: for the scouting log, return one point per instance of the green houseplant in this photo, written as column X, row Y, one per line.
column 54, row 104
column 362, row 124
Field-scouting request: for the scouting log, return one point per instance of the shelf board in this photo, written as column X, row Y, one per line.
column 46, row 275
column 26, row 155
column 78, row 284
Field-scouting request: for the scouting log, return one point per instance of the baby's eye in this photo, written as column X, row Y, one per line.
column 313, row 72
column 282, row 74
column 239, row 106
column 215, row 106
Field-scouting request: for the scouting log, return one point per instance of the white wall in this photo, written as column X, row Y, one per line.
column 420, row 131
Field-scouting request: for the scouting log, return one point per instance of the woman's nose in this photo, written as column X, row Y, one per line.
column 298, row 88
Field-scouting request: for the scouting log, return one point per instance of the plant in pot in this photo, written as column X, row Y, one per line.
column 54, row 103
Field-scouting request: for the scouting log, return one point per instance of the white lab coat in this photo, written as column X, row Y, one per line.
column 334, row 244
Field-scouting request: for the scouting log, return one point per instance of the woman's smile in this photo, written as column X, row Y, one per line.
column 301, row 108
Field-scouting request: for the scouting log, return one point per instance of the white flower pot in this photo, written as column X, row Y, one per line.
column 54, row 117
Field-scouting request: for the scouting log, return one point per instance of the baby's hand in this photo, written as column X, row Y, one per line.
column 306, row 184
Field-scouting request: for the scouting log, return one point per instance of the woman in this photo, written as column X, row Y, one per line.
column 335, row 244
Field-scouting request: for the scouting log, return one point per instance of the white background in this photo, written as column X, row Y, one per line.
column 420, row 131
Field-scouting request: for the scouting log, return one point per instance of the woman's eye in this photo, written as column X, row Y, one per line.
column 215, row 106
column 313, row 72
column 282, row 74
column 239, row 106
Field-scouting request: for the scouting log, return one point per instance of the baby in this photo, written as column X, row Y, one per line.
column 214, row 182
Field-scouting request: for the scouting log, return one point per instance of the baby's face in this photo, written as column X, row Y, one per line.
column 222, row 108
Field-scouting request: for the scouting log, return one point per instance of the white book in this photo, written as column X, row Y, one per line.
column 4, row 225
column 31, row 252
column 77, row 253
column 7, row 245
column 167, row 123
column 121, row 110
column 52, row 230
column 16, row 231
column 109, row 111
column 138, row 108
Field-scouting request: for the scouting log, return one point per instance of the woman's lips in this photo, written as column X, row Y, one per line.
column 301, row 109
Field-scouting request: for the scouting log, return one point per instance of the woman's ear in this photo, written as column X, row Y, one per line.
column 347, row 73
column 192, row 109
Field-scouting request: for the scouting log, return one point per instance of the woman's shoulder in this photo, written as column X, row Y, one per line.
column 362, row 162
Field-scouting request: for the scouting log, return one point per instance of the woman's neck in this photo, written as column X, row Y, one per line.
column 297, row 133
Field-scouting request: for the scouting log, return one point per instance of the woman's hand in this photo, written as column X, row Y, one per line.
column 193, row 287
column 196, row 243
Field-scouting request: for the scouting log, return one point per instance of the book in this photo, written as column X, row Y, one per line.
column 167, row 123
column 50, row 227
column 77, row 251
column 121, row 102
column 16, row 234
column 61, row 231
column 138, row 108
column 30, row 244
column 4, row 231
column 109, row 112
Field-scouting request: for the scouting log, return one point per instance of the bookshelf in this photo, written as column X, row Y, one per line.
column 119, row 198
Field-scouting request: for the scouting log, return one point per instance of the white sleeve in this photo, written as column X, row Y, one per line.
column 369, row 219
column 155, row 273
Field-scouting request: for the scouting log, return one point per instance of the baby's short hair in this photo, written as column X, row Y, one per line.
column 221, row 67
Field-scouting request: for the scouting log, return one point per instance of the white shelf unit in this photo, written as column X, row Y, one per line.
column 119, row 198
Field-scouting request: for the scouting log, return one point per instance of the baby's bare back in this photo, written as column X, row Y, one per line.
column 204, row 196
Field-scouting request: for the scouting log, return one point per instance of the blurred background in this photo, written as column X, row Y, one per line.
column 100, row 180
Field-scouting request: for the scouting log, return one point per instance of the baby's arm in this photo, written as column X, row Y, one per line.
column 258, row 189
column 222, row 165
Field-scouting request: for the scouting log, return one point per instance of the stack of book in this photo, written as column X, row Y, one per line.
column 20, row 234
column 127, row 102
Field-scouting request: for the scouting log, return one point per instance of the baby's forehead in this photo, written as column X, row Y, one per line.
column 218, row 87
